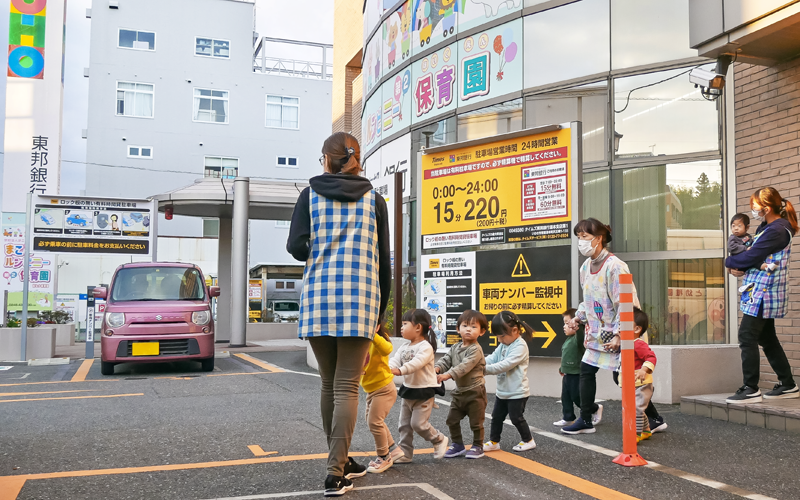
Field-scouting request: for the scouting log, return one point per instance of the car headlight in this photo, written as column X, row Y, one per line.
column 115, row 320
column 201, row 317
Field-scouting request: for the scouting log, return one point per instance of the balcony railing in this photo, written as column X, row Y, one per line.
column 270, row 65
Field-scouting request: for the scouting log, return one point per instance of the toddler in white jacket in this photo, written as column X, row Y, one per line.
column 414, row 361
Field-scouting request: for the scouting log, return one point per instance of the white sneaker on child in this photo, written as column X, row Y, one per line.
column 396, row 453
column 523, row 446
column 440, row 448
column 597, row 416
column 561, row 423
column 491, row 446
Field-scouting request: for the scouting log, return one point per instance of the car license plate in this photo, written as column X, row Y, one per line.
column 145, row 349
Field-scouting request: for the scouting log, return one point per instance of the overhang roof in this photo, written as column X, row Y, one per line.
column 213, row 197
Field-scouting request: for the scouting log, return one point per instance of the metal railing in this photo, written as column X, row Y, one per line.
column 262, row 63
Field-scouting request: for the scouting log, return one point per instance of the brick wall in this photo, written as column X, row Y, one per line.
column 347, row 42
column 767, row 115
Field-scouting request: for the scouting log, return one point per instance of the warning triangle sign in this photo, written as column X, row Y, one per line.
column 521, row 269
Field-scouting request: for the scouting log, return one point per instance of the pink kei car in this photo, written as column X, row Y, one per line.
column 157, row 312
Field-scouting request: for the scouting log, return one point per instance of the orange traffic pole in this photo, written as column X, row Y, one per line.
column 629, row 456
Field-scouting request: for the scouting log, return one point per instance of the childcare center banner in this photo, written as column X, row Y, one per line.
column 510, row 191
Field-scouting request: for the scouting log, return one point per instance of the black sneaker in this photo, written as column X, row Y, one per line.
column 336, row 486
column 783, row 392
column 657, row 424
column 353, row 469
column 578, row 427
column 745, row 395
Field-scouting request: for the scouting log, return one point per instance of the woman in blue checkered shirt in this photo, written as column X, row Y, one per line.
column 765, row 267
column 340, row 229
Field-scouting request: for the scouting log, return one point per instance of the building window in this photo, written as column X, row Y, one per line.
column 210, row 228
column 283, row 223
column 210, row 47
column 139, row 40
column 283, row 112
column 287, row 161
column 290, row 285
column 279, row 285
column 135, row 99
column 210, row 106
column 226, row 168
column 145, row 152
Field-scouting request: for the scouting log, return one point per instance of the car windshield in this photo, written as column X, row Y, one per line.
column 158, row 283
column 286, row 307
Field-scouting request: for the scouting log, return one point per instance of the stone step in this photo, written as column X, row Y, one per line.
column 778, row 414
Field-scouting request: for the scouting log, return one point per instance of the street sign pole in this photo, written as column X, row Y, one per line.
column 26, row 267
column 89, row 323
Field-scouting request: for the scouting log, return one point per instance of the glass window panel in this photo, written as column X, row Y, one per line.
column 218, row 108
column 581, row 29
column 649, row 31
column 144, row 87
column 219, row 93
column 213, row 161
column 290, row 116
column 221, row 49
column 126, row 85
column 279, row 285
column 290, row 285
column 587, row 103
column 147, row 152
column 149, row 38
column 281, row 160
column 273, row 98
column 291, row 100
column 210, row 228
column 204, row 92
column 292, row 162
column 230, row 162
column 596, row 196
column 134, row 151
column 668, row 207
column 684, row 299
column 126, row 38
column 489, row 121
column 666, row 118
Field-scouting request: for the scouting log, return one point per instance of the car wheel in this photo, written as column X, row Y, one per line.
column 106, row 368
column 207, row 365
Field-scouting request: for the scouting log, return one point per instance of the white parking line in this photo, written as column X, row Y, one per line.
column 651, row 465
column 427, row 488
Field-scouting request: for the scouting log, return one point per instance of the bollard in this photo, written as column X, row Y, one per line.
column 629, row 456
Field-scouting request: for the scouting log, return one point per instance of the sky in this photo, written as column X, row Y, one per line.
column 274, row 18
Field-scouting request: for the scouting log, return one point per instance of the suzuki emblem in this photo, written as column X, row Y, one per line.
column 158, row 317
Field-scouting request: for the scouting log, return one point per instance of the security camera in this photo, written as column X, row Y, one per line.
column 124, row 139
column 201, row 143
column 710, row 82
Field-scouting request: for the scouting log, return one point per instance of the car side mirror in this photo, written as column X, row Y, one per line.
column 213, row 291
column 100, row 292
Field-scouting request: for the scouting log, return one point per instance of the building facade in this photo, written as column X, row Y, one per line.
column 653, row 164
column 763, row 92
column 172, row 101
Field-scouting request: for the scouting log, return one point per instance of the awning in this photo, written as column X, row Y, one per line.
column 213, row 197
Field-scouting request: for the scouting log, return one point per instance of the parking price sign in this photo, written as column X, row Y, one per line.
column 509, row 191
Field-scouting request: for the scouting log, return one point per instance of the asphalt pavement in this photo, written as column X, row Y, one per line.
column 252, row 428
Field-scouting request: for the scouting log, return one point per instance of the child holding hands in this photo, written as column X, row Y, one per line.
column 414, row 361
column 645, row 363
column 510, row 363
column 571, row 353
column 464, row 364
column 378, row 383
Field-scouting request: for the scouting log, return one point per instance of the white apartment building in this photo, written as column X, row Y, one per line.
column 183, row 89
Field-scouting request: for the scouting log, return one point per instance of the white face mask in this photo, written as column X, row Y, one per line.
column 757, row 216
column 585, row 248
